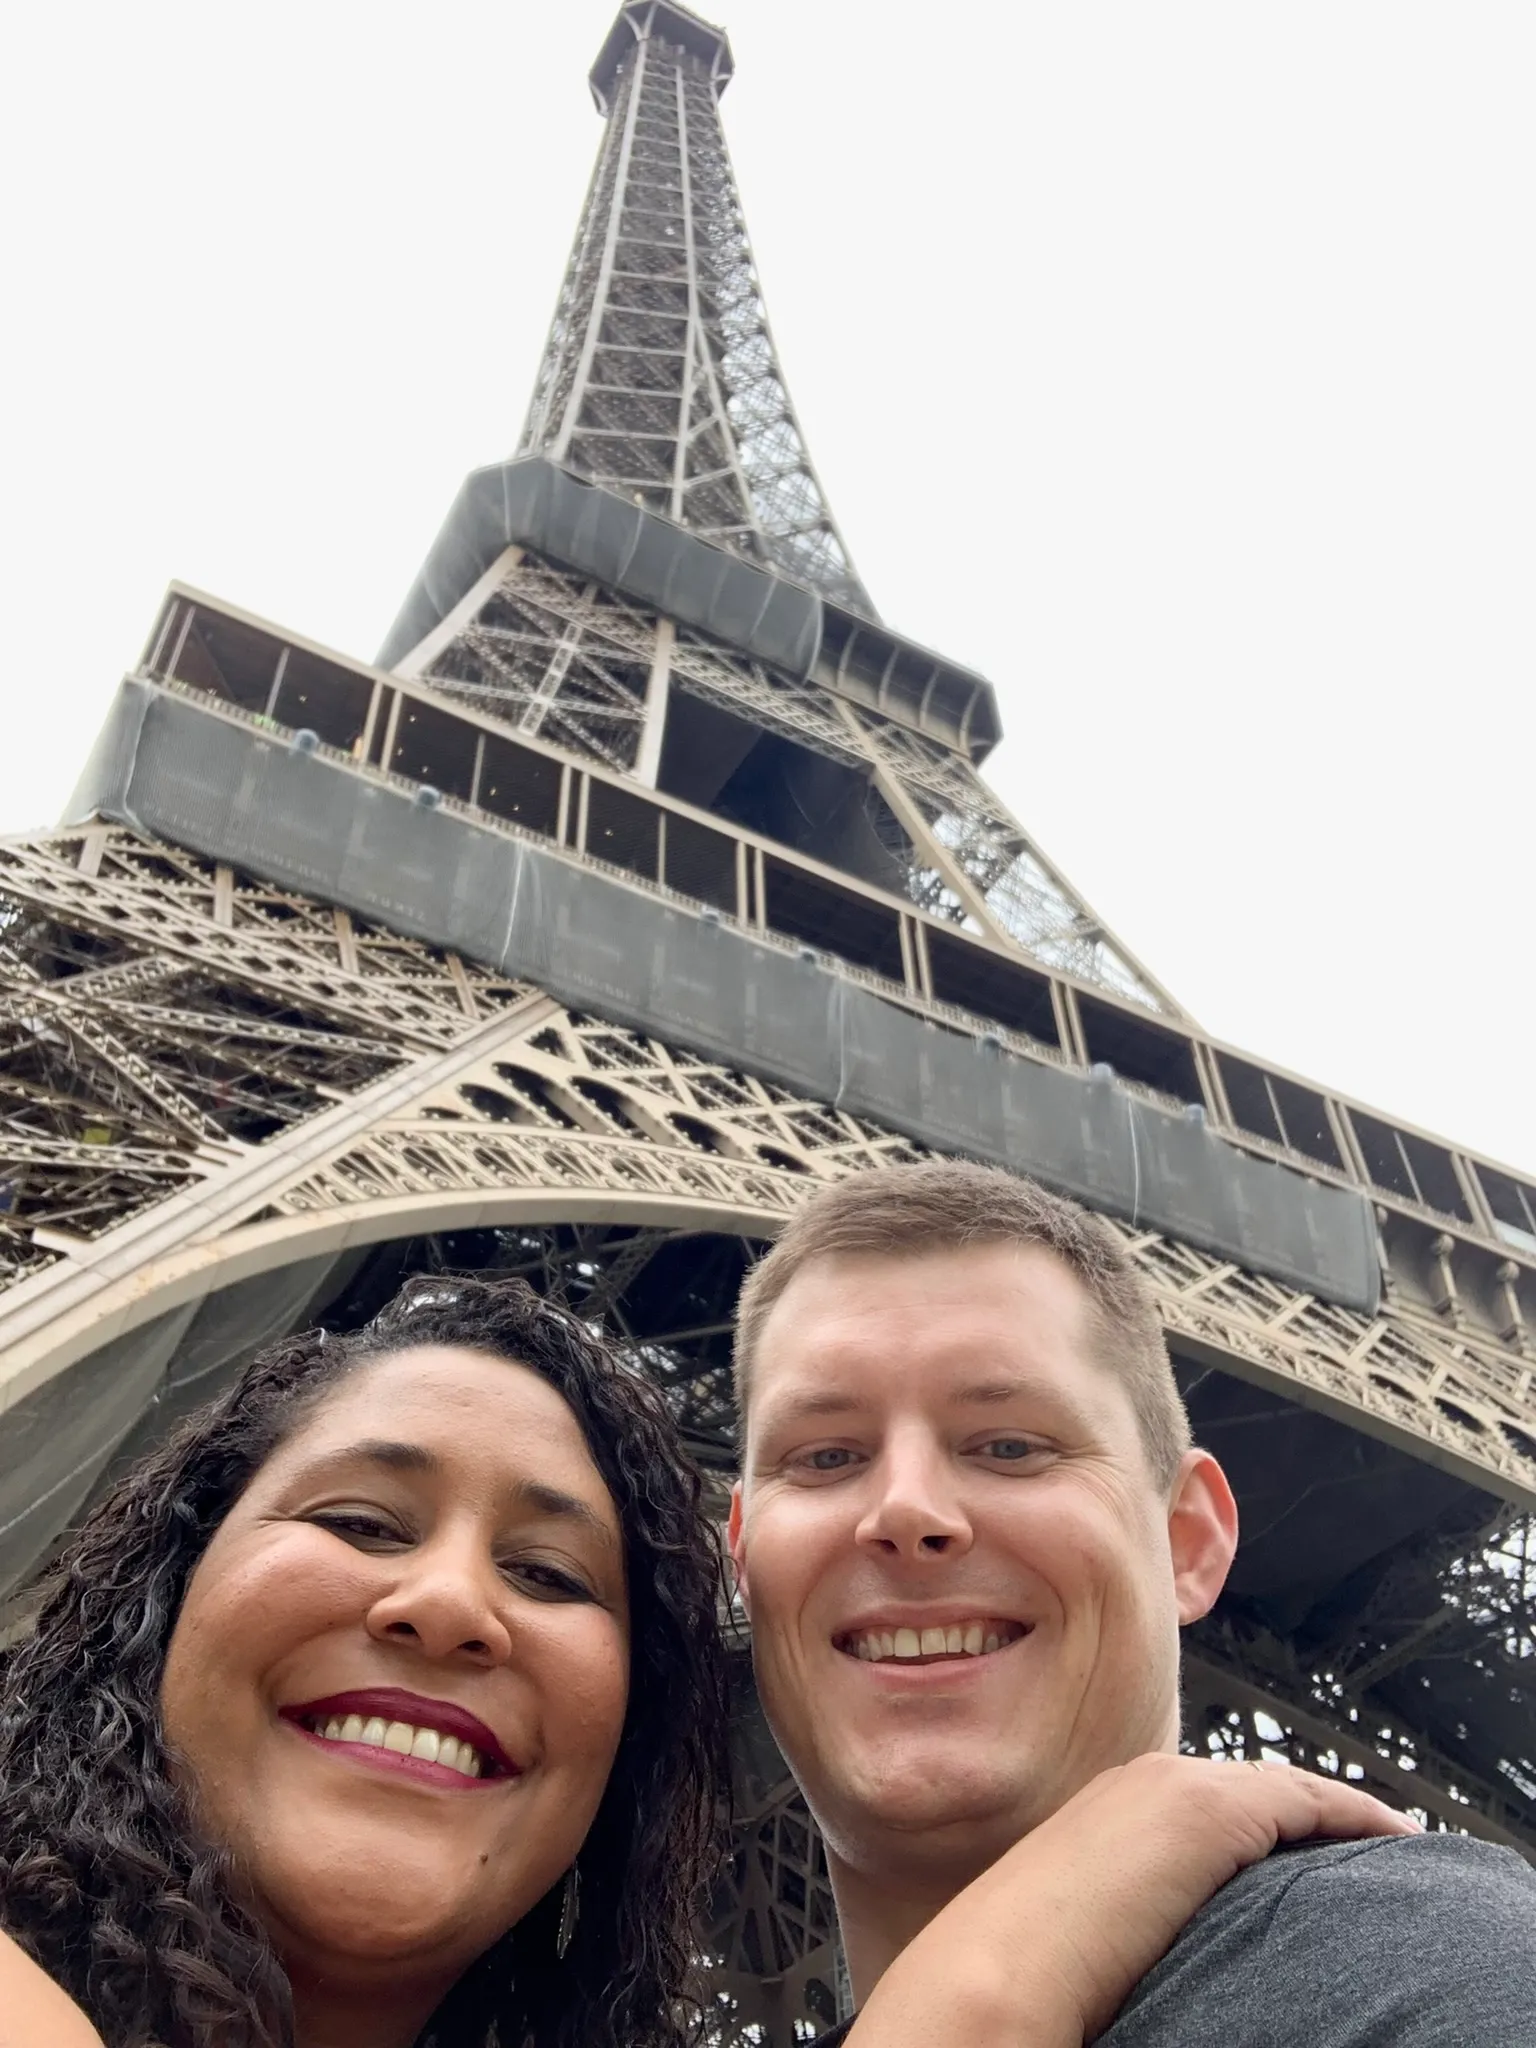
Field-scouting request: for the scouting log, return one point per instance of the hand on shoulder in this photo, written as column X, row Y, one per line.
column 1050, row 1941
column 34, row 2012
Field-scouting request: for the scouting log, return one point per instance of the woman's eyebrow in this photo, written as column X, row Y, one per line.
column 550, row 1500
column 395, row 1457
column 531, row 1493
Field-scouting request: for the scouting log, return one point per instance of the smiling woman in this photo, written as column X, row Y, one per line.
column 383, row 1705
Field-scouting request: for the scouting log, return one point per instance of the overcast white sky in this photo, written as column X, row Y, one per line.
column 1171, row 363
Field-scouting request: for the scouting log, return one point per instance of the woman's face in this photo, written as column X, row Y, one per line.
column 399, row 1676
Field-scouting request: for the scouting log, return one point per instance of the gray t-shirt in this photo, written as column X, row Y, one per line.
column 1425, row 1941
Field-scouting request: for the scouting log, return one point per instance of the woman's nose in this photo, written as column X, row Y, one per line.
column 446, row 1603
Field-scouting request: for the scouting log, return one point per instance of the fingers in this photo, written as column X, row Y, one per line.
column 1287, row 1803
column 1307, row 1803
column 1255, row 1805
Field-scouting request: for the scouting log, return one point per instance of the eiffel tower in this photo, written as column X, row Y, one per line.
column 644, row 882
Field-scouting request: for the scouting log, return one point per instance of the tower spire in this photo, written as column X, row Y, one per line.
column 660, row 379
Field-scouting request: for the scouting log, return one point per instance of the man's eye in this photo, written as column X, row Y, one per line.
column 1009, row 1448
column 830, row 1458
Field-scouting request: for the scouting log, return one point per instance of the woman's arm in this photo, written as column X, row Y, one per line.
column 1044, row 1948
column 34, row 2012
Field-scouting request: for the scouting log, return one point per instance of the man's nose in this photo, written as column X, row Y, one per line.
column 448, row 1602
column 917, row 1511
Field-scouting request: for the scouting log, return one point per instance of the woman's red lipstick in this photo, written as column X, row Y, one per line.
column 389, row 1703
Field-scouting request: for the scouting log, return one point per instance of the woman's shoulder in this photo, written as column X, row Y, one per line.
column 34, row 2012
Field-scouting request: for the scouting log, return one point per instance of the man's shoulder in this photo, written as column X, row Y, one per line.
column 1448, row 1878
column 1422, row 1939
column 1406, row 1941
column 1429, row 1864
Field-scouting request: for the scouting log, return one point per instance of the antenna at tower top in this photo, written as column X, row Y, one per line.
column 679, row 26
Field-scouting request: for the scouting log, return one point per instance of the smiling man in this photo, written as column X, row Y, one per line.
column 969, row 1527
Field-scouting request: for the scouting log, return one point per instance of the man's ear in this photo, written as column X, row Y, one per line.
column 736, row 1538
column 1202, row 1534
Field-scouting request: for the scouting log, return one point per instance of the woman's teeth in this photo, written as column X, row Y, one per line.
column 959, row 1639
column 403, row 1739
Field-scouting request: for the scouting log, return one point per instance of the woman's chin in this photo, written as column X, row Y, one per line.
column 380, row 1910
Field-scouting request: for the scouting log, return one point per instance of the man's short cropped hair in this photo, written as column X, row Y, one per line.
column 948, row 1205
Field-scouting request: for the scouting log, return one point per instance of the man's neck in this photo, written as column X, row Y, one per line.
column 878, row 1917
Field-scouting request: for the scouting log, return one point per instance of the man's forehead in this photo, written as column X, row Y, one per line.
column 978, row 1321
column 996, row 1274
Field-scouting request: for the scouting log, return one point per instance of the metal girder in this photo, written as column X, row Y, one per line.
column 771, row 1937
column 1023, row 898
column 555, row 655
column 296, row 954
column 552, row 653
column 1251, row 1699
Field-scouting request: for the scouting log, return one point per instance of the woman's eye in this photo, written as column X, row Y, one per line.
column 547, row 1581
column 354, row 1525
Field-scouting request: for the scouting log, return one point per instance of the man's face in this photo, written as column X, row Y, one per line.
column 936, row 1461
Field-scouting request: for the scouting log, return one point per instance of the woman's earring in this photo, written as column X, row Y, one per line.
column 570, row 1908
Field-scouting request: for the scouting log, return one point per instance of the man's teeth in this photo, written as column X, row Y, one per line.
column 400, row 1736
column 959, row 1639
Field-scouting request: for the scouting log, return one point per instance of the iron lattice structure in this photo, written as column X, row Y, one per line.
column 660, row 378
column 563, row 657
column 230, row 1105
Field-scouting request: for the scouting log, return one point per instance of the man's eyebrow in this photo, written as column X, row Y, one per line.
column 992, row 1393
column 817, row 1402
column 814, row 1402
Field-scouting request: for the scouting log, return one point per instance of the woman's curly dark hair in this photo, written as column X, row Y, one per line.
column 103, row 1877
